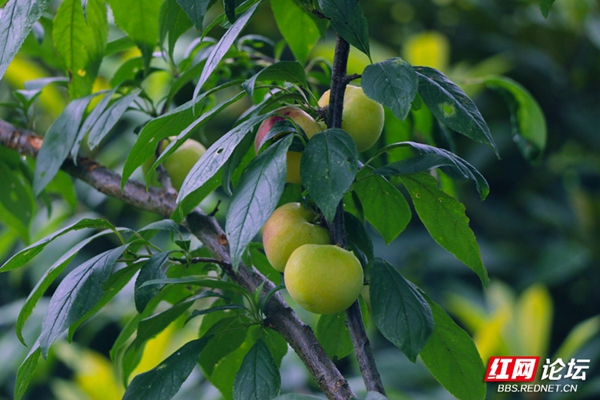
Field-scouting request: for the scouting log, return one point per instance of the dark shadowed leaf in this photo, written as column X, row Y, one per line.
column 256, row 196
column 449, row 104
column 328, row 167
column 545, row 6
column 445, row 220
column 348, row 21
column 109, row 118
column 173, row 22
column 164, row 381
column 151, row 270
column 400, row 312
column 392, row 83
column 26, row 371
column 433, row 157
column 195, row 10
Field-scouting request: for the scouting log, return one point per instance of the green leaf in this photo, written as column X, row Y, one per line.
column 545, row 6
column 291, row 18
column 165, row 380
column 348, row 21
column 173, row 23
column 195, row 10
column 452, row 358
column 445, row 220
column 28, row 253
column 222, row 47
column 76, row 295
column 333, row 335
column 18, row 17
column 383, row 205
column 400, row 312
column 393, row 83
column 80, row 41
column 277, row 345
column 433, row 157
column 359, row 240
column 115, row 283
column 258, row 377
column 256, row 197
column 328, row 167
column 47, row 279
column 283, row 71
column 26, row 371
column 109, row 118
column 91, row 119
column 227, row 335
column 16, row 196
column 151, row 270
column 58, row 142
column 139, row 19
column 169, row 124
column 450, row 105
column 528, row 122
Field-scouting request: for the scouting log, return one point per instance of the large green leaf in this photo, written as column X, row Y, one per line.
column 76, row 295
column 528, row 122
column 445, row 220
column 348, row 21
column 333, row 335
column 227, row 335
column 393, row 83
column 255, row 198
column 433, row 157
column 195, row 10
column 453, row 359
column 80, row 41
column 58, row 142
column 328, row 167
column 400, row 312
column 383, row 205
column 109, row 118
column 23, row 256
column 450, row 105
column 291, row 18
column 47, row 279
column 18, row 16
column 139, row 19
column 222, row 47
column 258, row 377
column 165, row 380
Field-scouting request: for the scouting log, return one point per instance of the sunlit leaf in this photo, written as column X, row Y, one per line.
column 291, row 18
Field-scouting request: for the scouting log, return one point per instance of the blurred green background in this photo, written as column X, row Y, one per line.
column 539, row 229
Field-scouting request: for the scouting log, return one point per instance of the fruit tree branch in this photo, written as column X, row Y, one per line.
column 279, row 315
column 354, row 320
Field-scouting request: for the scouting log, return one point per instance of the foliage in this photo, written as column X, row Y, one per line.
column 183, row 68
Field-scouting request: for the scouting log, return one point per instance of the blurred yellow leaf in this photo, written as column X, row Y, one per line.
column 533, row 320
column 428, row 49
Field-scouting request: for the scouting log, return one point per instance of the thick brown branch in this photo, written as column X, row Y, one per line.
column 354, row 321
column 279, row 315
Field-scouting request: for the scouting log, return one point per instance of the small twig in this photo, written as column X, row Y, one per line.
column 215, row 210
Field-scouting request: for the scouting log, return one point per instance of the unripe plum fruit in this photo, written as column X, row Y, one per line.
column 178, row 164
column 289, row 227
column 362, row 117
column 304, row 121
column 323, row 279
